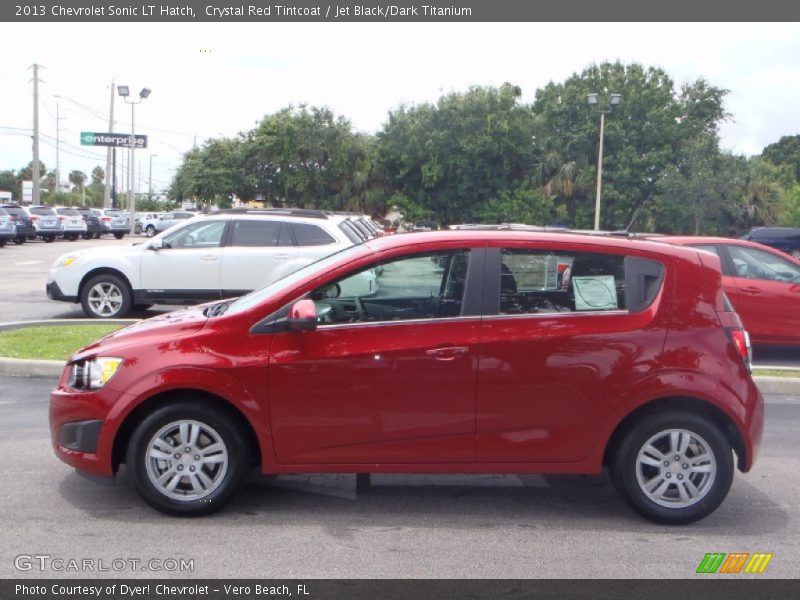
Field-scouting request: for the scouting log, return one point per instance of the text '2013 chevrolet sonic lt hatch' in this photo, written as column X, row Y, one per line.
column 481, row 352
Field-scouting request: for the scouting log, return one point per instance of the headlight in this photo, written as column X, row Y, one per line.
column 66, row 260
column 93, row 374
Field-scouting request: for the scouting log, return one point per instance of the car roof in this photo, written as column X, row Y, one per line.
column 471, row 236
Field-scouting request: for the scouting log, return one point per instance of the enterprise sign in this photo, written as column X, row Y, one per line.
column 91, row 138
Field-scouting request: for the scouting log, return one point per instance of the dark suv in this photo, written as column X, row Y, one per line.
column 785, row 239
column 25, row 228
column 93, row 226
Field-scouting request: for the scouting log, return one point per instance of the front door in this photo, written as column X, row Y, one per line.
column 389, row 374
column 187, row 266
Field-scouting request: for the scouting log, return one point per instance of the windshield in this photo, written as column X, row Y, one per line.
column 276, row 287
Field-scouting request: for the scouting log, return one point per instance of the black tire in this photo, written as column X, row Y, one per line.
column 97, row 235
column 150, row 231
column 707, row 439
column 49, row 238
column 142, row 306
column 86, row 236
column 19, row 241
column 118, row 290
column 3, row 242
column 224, row 483
column 73, row 238
column 119, row 236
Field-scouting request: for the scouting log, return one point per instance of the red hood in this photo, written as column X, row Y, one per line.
column 151, row 331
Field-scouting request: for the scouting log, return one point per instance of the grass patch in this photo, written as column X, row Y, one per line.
column 50, row 342
column 776, row 373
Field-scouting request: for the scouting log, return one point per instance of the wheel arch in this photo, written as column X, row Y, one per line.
column 686, row 403
column 103, row 271
column 128, row 425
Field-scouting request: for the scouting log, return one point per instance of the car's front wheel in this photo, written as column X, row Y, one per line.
column 188, row 458
column 674, row 467
column 106, row 296
column 150, row 230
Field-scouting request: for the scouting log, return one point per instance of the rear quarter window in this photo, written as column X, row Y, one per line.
column 311, row 235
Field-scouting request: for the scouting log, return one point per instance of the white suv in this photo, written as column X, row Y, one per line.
column 221, row 255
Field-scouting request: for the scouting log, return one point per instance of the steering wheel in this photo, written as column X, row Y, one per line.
column 362, row 311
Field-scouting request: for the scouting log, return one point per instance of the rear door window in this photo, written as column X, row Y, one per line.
column 542, row 281
column 260, row 234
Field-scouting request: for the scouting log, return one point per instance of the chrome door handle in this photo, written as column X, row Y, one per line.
column 447, row 352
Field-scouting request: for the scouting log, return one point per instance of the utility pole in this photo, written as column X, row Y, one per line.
column 36, row 175
column 109, row 181
column 150, row 184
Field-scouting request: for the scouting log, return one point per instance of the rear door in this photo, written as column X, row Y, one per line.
column 257, row 252
column 564, row 333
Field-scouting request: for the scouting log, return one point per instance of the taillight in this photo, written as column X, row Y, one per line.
column 34, row 218
column 741, row 341
column 105, row 218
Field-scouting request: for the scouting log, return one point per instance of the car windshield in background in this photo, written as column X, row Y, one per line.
column 45, row 211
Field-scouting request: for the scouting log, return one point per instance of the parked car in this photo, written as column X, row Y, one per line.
column 785, row 239
column 168, row 220
column 762, row 283
column 45, row 221
column 8, row 229
column 22, row 223
column 94, row 227
column 145, row 223
column 220, row 255
column 640, row 365
column 115, row 222
column 72, row 224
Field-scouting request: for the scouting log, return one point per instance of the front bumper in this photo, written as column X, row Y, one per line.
column 54, row 293
column 79, row 430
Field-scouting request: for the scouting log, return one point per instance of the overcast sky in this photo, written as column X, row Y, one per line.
column 211, row 79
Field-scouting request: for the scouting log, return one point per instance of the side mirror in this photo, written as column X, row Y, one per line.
column 302, row 316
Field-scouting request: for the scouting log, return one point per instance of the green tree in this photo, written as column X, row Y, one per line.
column 643, row 137
column 77, row 179
column 451, row 157
column 785, row 151
column 9, row 182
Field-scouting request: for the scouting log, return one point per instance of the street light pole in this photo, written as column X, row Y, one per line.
column 124, row 92
column 593, row 100
column 599, row 173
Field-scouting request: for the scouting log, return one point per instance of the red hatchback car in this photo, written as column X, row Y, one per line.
column 755, row 277
column 478, row 354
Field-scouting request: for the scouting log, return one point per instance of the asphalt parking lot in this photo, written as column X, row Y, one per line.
column 401, row 526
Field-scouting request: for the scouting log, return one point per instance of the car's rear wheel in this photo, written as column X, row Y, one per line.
column 86, row 236
column 674, row 467
column 188, row 458
column 19, row 240
column 49, row 238
column 150, row 230
column 119, row 236
column 106, row 296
